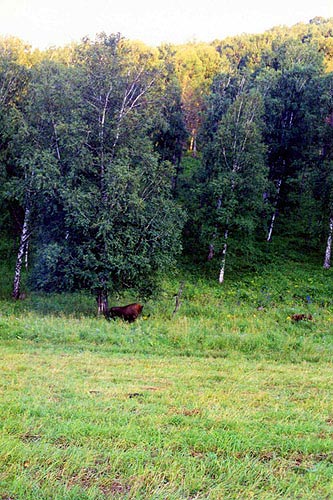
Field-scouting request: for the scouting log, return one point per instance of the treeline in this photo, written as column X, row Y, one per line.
column 116, row 157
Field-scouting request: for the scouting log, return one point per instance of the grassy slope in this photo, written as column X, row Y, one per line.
column 221, row 401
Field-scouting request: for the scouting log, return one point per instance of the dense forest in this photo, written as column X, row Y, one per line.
column 118, row 160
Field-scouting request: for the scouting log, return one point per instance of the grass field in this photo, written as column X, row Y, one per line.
column 227, row 399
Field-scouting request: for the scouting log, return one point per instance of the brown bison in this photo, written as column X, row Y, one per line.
column 128, row 313
column 300, row 317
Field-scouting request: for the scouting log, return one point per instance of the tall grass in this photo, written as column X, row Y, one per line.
column 252, row 317
column 226, row 399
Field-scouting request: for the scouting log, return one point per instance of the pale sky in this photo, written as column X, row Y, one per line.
column 44, row 23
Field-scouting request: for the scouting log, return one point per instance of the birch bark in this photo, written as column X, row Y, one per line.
column 224, row 256
column 20, row 254
column 271, row 226
column 328, row 252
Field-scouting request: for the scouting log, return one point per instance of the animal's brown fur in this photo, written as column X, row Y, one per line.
column 128, row 313
column 300, row 317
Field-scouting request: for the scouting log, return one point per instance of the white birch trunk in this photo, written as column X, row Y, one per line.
column 224, row 256
column 21, row 251
column 271, row 226
column 101, row 143
column 131, row 100
column 56, row 139
column 327, row 259
column 194, row 144
column 26, row 255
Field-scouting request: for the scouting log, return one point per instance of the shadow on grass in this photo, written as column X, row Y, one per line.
column 66, row 304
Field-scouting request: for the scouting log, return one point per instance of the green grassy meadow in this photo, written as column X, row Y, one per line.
column 227, row 399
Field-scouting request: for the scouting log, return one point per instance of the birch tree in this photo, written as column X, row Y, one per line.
column 324, row 174
column 292, row 120
column 44, row 144
column 13, row 80
column 113, row 90
column 328, row 250
column 235, row 169
column 124, row 226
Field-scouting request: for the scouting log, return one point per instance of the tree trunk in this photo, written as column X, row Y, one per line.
column 179, row 294
column 193, row 143
column 26, row 255
column 102, row 302
column 211, row 252
column 102, row 146
column 271, row 226
column 194, row 148
column 21, row 251
column 176, row 162
column 327, row 259
column 224, row 256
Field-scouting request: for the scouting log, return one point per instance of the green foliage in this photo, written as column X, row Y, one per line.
column 169, row 132
column 234, row 175
column 88, row 134
column 214, row 401
column 252, row 50
column 49, row 268
column 99, row 197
